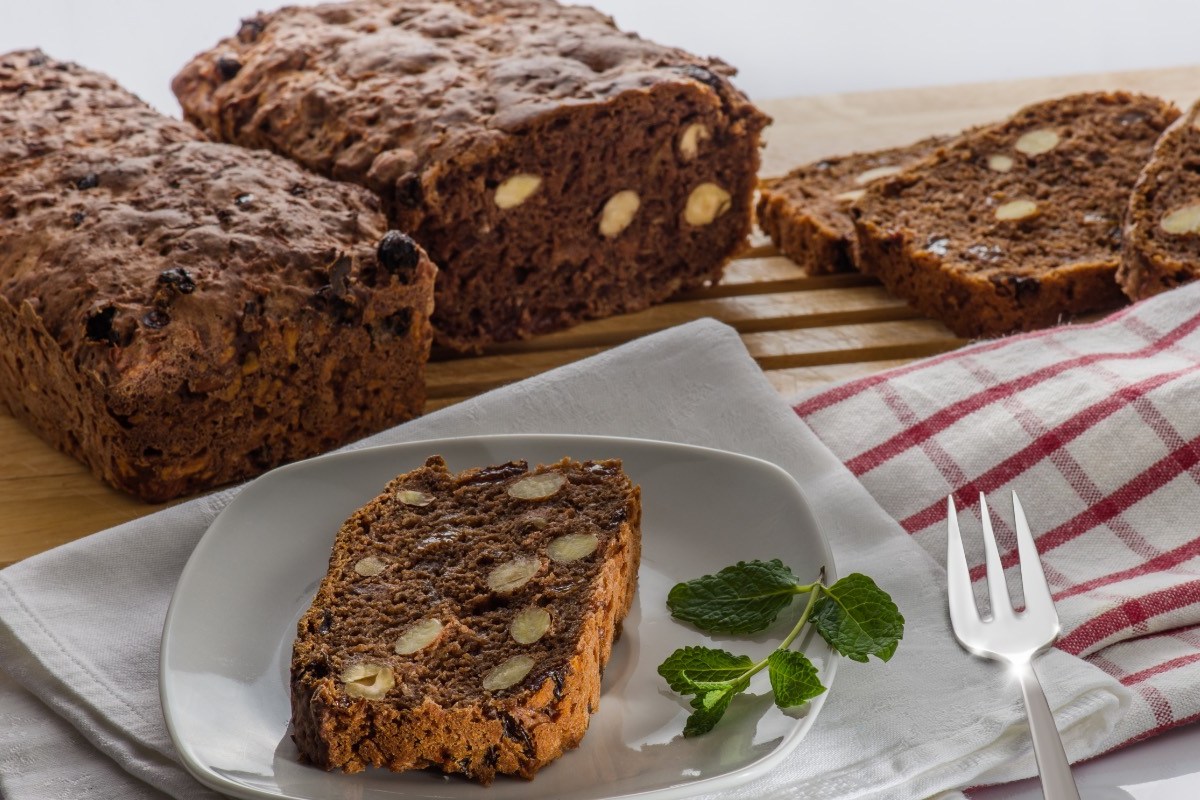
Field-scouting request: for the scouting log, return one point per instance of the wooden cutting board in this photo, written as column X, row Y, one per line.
column 805, row 332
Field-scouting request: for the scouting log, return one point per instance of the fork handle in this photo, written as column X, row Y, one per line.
column 1055, row 771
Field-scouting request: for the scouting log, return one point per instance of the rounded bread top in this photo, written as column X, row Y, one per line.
column 373, row 90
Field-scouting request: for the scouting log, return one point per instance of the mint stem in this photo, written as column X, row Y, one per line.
column 814, row 590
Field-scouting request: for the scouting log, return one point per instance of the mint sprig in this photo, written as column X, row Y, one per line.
column 855, row 616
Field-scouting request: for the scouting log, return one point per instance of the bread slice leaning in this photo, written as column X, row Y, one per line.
column 1162, row 232
column 465, row 619
column 807, row 211
column 1019, row 225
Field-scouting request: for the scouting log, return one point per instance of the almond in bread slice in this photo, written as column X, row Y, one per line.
column 1018, row 225
column 465, row 619
column 1162, row 232
column 807, row 211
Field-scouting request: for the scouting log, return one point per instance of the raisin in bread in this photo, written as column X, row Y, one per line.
column 556, row 168
column 1018, row 225
column 1162, row 232
column 465, row 619
column 180, row 314
column 806, row 212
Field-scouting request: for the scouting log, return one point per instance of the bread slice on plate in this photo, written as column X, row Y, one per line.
column 465, row 619
column 1162, row 232
column 807, row 212
column 1018, row 225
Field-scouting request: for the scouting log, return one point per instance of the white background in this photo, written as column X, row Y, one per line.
column 783, row 47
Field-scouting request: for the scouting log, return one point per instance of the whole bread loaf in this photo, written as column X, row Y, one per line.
column 807, row 211
column 1018, row 225
column 179, row 314
column 555, row 168
column 1162, row 231
column 465, row 619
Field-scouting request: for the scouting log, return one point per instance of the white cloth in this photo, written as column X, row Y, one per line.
column 80, row 625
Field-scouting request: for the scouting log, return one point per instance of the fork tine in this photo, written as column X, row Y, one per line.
column 997, row 587
column 964, row 614
column 1033, row 580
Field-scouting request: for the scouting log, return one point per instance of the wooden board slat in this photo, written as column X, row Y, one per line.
column 805, row 331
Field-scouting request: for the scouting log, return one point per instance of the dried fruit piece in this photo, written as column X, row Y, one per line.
column 411, row 497
column 537, row 487
column 514, row 574
column 398, row 254
column 418, row 636
column 369, row 567
column 618, row 212
column 178, row 279
column 850, row 196
column 870, row 175
column 1017, row 210
column 530, row 625
column 572, row 547
column 516, row 190
column 508, row 673
column 1036, row 142
column 706, row 202
column 689, row 140
column 228, row 66
column 1000, row 163
column 368, row 680
column 1182, row 220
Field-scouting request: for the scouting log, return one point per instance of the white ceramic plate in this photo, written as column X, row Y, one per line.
column 228, row 636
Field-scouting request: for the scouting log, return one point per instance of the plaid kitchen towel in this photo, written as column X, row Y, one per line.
column 1097, row 429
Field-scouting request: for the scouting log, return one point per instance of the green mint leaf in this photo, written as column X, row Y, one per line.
column 693, row 670
column 710, row 707
column 744, row 598
column 793, row 678
column 858, row 619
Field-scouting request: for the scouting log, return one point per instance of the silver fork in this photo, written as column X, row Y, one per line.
column 1010, row 636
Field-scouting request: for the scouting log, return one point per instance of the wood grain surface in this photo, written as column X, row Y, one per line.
column 805, row 332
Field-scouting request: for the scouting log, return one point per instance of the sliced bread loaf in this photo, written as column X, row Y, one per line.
column 1162, row 232
column 1018, row 225
column 465, row 619
column 806, row 212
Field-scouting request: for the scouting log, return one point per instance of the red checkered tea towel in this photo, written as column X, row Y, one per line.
column 1097, row 428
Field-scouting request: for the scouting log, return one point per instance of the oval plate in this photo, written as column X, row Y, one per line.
column 227, row 642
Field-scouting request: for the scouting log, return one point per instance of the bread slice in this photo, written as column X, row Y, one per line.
column 1162, row 231
column 807, row 212
column 1018, row 225
column 465, row 619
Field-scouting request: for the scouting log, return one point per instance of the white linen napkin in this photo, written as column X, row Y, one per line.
column 80, row 625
